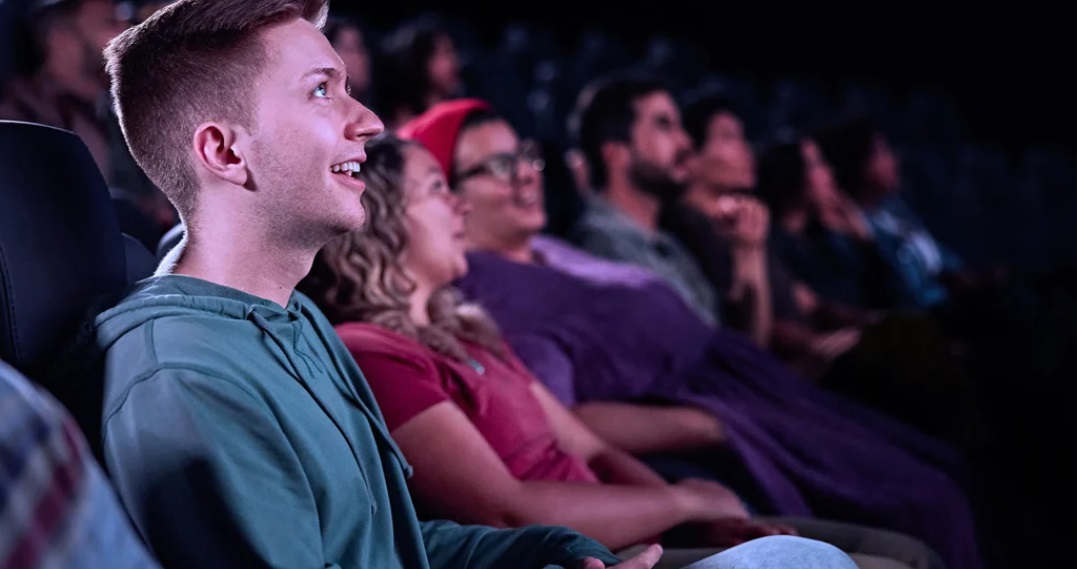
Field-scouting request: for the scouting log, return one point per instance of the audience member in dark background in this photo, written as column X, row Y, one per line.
column 817, row 233
column 64, row 84
column 867, row 169
column 1012, row 337
column 618, row 342
column 419, row 66
column 442, row 373
column 63, row 81
column 806, row 330
column 350, row 43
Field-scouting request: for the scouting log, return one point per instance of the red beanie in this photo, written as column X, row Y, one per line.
column 439, row 128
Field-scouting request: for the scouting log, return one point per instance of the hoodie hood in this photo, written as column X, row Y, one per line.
column 182, row 322
column 176, row 296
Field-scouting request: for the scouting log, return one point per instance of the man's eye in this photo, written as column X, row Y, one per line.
column 321, row 91
column 502, row 166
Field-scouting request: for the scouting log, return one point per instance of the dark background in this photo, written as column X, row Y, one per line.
column 1011, row 69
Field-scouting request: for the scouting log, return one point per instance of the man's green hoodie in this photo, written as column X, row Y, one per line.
column 241, row 434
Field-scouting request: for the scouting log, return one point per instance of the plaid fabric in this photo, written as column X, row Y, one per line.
column 56, row 507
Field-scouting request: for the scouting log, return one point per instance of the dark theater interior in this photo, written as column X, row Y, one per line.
column 486, row 285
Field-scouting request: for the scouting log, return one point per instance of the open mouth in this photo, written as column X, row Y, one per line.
column 526, row 200
column 350, row 169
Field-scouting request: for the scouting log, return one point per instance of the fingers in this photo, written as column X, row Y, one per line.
column 788, row 530
column 778, row 529
column 836, row 343
column 645, row 560
column 850, row 337
column 592, row 563
column 732, row 531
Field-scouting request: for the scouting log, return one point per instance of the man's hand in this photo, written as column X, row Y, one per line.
column 709, row 501
column 743, row 220
column 827, row 347
column 731, row 532
column 645, row 560
column 837, row 212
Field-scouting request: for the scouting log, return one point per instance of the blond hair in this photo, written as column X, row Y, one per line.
column 190, row 62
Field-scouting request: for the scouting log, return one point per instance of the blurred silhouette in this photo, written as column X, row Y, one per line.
column 419, row 67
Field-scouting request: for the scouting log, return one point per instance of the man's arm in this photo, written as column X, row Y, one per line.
column 809, row 352
column 452, row 546
column 209, row 477
column 643, row 429
column 827, row 315
column 744, row 222
column 750, row 291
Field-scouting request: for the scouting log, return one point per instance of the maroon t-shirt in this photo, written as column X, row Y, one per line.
column 408, row 378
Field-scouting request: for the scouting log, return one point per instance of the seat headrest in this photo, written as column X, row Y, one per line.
column 60, row 243
column 140, row 262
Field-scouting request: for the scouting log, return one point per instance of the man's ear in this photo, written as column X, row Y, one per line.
column 614, row 154
column 217, row 151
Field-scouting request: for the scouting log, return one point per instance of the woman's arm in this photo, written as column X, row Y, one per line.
column 460, row 477
column 641, row 429
column 612, row 465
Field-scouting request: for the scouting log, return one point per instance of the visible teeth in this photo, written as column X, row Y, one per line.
column 352, row 167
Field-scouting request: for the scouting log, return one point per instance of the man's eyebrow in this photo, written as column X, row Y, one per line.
column 330, row 72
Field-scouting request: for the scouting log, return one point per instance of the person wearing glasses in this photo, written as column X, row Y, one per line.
column 620, row 347
column 490, row 444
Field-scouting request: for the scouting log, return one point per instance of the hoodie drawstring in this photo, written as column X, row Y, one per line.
column 264, row 325
column 379, row 429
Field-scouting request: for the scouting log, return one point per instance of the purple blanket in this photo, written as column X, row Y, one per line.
column 593, row 330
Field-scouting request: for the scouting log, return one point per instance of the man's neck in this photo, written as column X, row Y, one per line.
column 519, row 250
column 633, row 202
column 245, row 260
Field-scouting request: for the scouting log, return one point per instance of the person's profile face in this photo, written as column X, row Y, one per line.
column 434, row 218
column 96, row 22
column 725, row 160
column 308, row 135
column 500, row 177
column 443, row 67
column 660, row 148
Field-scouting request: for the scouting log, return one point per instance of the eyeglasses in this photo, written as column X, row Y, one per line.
column 506, row 166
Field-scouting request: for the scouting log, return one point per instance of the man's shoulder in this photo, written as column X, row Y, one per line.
column 155, row 326
column 597, row 214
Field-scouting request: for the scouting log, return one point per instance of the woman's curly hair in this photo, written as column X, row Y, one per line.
column 360, row 276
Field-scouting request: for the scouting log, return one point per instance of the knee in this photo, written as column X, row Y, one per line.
column 787, row 551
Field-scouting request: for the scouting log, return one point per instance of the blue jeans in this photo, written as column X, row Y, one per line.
column 778, row 552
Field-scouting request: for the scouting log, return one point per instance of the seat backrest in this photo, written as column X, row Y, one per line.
column 140, row 262
column 60, row 243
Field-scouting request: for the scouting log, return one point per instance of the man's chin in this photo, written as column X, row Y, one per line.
column 667, row 192
column 351, row 223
